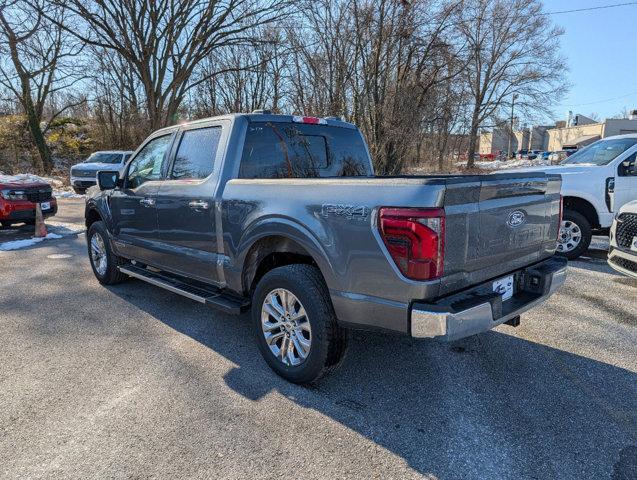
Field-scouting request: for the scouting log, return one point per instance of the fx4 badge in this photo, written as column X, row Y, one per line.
column 351, row 212
column 516, row 219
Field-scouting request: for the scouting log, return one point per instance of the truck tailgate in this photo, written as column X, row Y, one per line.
column 498, row 223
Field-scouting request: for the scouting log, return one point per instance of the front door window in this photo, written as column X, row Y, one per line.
column 147, row 164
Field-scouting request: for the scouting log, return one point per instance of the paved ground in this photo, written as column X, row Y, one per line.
column 67, row 221
column 132, row 381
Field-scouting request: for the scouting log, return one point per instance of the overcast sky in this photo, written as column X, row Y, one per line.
column 600, row 48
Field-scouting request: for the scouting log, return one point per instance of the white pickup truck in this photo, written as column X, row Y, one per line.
column 596, row 182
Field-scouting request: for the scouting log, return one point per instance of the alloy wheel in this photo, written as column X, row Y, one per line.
column 286, row 327
column 98, row 254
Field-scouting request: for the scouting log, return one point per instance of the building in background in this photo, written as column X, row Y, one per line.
column 581, row 134
column 577, row 131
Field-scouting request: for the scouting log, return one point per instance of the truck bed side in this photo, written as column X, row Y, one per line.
column 334, row 221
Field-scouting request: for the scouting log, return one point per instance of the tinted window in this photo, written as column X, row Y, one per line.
column 148, row 162
column 294, row 150
column 196, row 153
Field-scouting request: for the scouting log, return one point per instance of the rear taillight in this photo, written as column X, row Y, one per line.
column 415, row 240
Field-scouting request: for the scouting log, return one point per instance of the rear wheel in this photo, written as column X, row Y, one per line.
column 103, row 261
column 295, row 324
column 575, row 235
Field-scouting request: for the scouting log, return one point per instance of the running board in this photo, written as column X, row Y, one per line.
column 205, row 294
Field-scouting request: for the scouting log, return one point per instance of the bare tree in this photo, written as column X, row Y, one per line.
column 513, row 49
column 165, row 41
column 36, row 61
column 240, row 79
column 376, row 63
column 116, row 101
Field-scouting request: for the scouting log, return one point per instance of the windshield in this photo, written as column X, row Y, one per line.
column 102, row 157
column 601, row 152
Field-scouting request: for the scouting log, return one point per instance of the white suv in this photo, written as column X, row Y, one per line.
column 83, row 175
column 623, row 241
column 596, row 182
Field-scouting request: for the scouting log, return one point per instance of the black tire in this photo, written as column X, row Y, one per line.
column 111, row 275
column 79, row 191
column 328, row 339
column 586, row 232
column 6, row 224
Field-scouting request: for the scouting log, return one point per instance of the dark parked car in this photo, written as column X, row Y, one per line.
column 283, row 215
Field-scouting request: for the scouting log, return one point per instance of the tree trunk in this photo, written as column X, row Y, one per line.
column 473, row 140
column 33, row 115
column 36, row 132
column 40, row 143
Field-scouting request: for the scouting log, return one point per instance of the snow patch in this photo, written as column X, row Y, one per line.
column 506, row 164
column 59, row 189
column 25, row 179
column 28, row 242
column 66, row 194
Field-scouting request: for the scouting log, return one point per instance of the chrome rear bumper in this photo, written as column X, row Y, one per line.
column 475, row 311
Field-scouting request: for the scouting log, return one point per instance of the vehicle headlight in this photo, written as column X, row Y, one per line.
column 13, row 194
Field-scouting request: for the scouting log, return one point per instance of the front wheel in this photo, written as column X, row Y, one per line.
column 103, row 261
column 295, row 324
column 575, row 235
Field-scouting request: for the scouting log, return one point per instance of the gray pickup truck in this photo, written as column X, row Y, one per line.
column 283, row 215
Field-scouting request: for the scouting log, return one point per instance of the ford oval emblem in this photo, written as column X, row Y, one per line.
column 516, row 218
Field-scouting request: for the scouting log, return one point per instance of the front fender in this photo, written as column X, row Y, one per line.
column 99, row 203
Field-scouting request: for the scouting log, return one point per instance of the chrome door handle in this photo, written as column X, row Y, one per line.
column 199, row 205
column 147, row 202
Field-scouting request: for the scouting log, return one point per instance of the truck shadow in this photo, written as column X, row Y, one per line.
column 492, row 405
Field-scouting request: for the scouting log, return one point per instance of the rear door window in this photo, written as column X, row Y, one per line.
column 196, row 154
column 291, row 150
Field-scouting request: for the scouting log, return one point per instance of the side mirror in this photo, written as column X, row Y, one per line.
column 629, row 166
column 107, row 180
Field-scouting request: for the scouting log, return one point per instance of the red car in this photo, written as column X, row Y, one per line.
column 18, row 197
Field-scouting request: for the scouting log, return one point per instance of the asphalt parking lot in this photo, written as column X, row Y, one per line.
column 134, row 382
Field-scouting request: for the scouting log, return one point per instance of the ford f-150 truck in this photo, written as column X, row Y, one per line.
column 283, row 215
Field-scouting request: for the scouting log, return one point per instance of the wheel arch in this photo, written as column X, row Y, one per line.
column 91, row 216
column 272, row 251
column 583, row 206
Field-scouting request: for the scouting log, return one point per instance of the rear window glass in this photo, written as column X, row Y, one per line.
column 196, row 153
column 295, row 150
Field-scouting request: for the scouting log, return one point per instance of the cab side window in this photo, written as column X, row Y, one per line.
column 196, row 154
column 147, row 165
